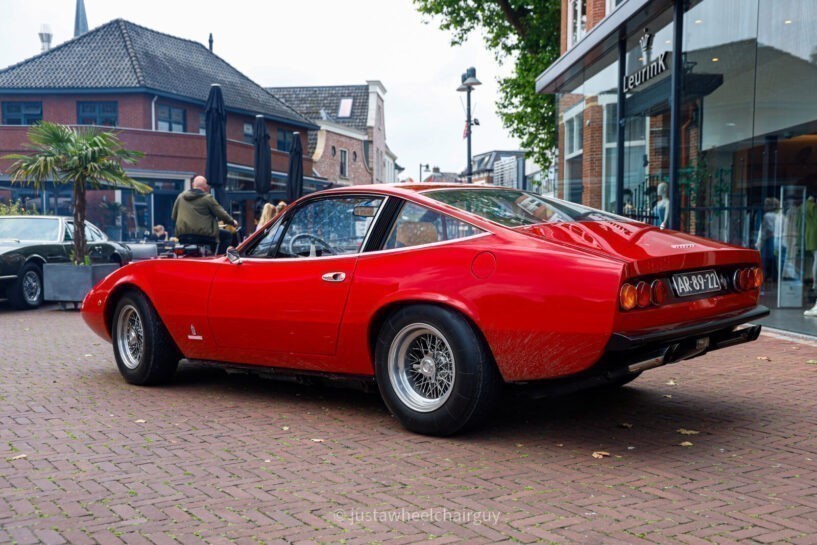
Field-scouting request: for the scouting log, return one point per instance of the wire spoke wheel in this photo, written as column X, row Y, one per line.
column 32, row 287
column 130, row 336
column 421, row 367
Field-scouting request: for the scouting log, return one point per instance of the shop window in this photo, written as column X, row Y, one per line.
column 170, row 119
column 22, row 113
column 103, row 113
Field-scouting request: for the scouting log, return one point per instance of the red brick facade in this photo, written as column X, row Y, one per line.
column 179, row 152
column 366, row 164
column 593, row 127
column 328, row 157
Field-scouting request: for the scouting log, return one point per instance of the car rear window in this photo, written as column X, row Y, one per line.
column 514, row 208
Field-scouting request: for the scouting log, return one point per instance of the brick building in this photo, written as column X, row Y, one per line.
column 498, row 167
column 710, row 101
column 152, row 87
column 350, row 145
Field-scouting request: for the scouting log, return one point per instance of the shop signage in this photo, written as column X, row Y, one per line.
column 650, row 70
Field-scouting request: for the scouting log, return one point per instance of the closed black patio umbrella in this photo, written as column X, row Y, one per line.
column 295, row 174
column 261, row 157
column 216, row 126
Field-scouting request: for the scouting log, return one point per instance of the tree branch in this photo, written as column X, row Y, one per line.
column 513, row 18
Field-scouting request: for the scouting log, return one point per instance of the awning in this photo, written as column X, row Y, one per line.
column 626, row 18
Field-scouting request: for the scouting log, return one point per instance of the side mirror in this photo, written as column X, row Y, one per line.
column 232, row 255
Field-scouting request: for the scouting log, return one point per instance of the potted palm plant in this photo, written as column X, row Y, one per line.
column 86, row 158
column 113, row 224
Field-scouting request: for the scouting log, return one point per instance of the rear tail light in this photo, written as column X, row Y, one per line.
column 628, row 297
column 747, row 279
column 659, row 292
column 643, row 295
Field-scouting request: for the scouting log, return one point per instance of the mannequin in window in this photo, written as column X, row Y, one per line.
column 792, row 224
column 811, row 246
column 768, row 236
column 627, row 208
column 811, row 237
column 661, row 209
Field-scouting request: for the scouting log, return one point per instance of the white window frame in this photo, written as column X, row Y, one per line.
column 343, row 162
column 612, row 5
column 576, row 16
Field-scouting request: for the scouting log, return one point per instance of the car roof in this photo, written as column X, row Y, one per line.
column 409, row 188
column 38, row 216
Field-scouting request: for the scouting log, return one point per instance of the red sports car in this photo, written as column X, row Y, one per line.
column 441, row 294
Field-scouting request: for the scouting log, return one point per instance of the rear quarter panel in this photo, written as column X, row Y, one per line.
column 545, row 310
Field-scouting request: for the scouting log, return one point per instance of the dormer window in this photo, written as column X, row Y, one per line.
column 345, row 108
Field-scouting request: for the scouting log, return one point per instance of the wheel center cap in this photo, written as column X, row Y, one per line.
column 131, row 336
column 428, row 366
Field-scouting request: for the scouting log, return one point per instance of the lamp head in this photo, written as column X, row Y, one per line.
column 470, row 78
column 462, row 88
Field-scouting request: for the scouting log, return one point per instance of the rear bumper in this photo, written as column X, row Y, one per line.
column 629, row 353
column 622, row 342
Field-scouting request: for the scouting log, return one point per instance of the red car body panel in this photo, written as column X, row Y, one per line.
column 545, row 297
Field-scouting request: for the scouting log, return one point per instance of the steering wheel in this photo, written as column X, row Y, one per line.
column 313, row 238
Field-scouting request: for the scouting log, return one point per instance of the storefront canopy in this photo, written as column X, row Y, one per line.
column 625, row 19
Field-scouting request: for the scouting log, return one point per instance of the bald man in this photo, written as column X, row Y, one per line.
column 196, row 214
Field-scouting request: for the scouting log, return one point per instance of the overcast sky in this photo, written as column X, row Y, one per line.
column 314, row 42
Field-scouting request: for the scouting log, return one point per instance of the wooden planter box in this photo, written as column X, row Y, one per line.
column 68, row 283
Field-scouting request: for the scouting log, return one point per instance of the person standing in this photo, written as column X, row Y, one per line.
column 196, row 214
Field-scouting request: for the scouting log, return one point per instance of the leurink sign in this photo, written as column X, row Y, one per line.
column 650, row 70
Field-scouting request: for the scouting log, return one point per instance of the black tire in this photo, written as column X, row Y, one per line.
column 455, row 383
column 27, row 291
column 144, row 351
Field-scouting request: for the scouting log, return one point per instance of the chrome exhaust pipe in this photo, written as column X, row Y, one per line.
column 647, row 364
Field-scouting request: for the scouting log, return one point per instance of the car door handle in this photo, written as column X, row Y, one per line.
column 334, row 277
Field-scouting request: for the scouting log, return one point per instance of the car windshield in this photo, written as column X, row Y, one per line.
column 514, row 208
column 29, row 229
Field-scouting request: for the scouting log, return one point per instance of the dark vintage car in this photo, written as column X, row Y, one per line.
column 27, row 242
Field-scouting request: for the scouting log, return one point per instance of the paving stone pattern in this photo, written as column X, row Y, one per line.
column 218, row 458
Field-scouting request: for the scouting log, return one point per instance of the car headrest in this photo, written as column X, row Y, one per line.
column 414, row 233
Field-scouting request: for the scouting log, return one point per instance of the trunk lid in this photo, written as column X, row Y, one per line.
column 644, row 249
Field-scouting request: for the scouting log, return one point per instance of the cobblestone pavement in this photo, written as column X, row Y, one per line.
column 218, row 458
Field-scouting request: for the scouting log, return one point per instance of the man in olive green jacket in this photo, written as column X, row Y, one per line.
column 196, row 214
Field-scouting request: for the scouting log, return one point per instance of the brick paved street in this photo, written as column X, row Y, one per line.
column 220, row 458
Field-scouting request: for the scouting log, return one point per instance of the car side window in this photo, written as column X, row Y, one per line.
column 329, row 226
column 416, row 225
column 268, row 242
column 91, row 235
column 69, row 231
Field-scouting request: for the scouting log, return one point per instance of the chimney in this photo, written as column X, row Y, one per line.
column 435, row 170
column 45, row 37
column 211, row 42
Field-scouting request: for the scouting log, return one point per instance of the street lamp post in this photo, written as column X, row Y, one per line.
column 422, row 166
column 469, row 81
